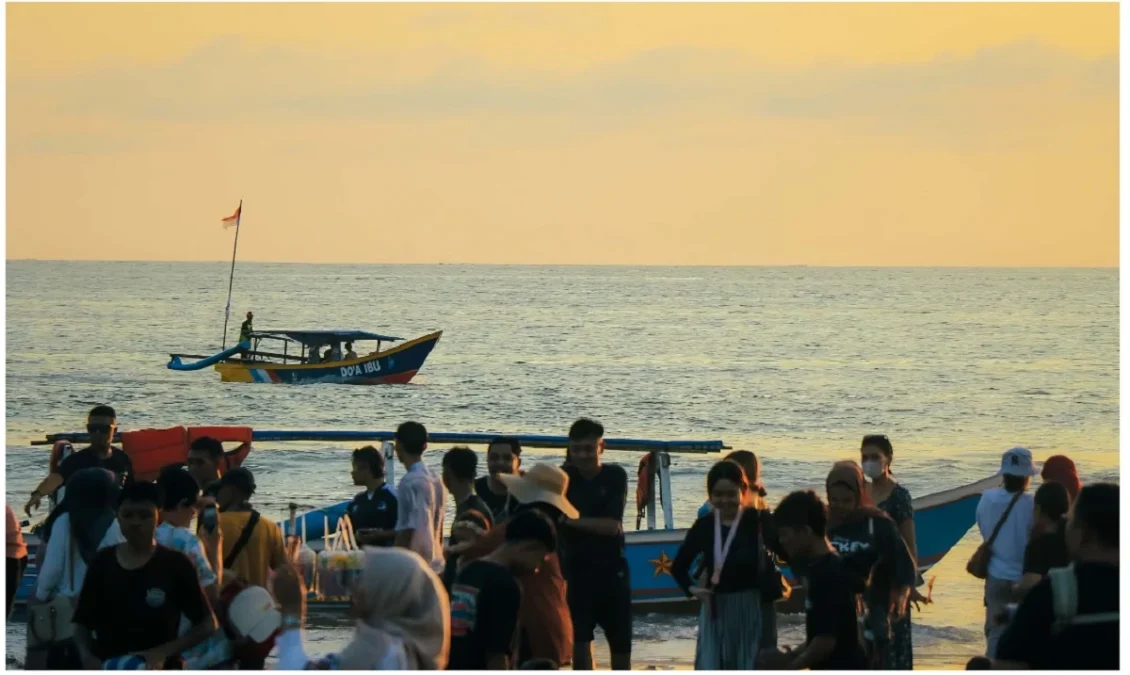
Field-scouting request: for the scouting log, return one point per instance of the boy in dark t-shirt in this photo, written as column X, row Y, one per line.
column 135, row 593
column 485, row 596
column 599, row 588
column 504, row 456
column 831, row 621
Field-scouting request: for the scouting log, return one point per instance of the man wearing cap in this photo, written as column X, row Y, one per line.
column 544, row 622
column 1012, row 508
column 252, row 545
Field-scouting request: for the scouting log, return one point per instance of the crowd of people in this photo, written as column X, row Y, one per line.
column 184, row 573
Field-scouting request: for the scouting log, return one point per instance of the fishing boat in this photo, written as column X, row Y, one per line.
column 941, row 519
column 295, row 357
column 291, row 357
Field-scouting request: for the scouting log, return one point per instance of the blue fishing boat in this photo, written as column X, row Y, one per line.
column 941, row 519
column 298, row 359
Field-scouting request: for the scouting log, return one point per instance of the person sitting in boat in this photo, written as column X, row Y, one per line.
column 245, row 328
column 349, row 353
column 335, row 352
column 314, row 355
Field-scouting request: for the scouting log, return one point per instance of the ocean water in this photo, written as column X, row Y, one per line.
column 796, row 364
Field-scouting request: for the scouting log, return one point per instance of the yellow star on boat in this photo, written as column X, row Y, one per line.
column 662, row 564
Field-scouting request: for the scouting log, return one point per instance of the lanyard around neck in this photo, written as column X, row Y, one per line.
column 721, row 550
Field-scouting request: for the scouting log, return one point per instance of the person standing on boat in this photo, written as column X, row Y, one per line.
column 245, row 328
column 372, row 512
column 876, row 455
column 599, row 588
column 729, row 618
column 419, row 522
column 100, row 426
column 504, row 457
column 1010, row 509
column 459, row 467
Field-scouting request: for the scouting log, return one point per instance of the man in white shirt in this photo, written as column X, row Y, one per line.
column 420, row 497
column 1006, row 566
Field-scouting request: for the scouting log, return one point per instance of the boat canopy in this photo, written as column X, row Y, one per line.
column 321, row 337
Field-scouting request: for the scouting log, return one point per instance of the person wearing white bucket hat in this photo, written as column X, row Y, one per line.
column 544, row 622
column 1004, row 518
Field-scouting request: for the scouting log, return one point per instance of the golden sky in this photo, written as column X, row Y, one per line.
column 728, row 134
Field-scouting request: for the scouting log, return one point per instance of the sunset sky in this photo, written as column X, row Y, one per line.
column 943, row 134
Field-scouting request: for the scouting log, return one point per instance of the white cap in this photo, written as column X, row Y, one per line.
column 253, row 614
column 1018, row 462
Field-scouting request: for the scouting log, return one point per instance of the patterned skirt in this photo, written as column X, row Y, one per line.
column 729, row 632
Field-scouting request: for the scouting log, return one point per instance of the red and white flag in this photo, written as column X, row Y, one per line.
column 233, row 219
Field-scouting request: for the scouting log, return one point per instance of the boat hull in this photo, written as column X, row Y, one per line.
column 397, row 365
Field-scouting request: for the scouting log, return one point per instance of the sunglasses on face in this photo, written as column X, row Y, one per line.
column 99, row 428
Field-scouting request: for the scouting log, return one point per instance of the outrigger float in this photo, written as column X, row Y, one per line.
column 941, row 519
column 295, row 358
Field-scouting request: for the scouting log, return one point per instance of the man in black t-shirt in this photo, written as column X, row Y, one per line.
column 599, row 589
column 100, row 454
column 372, row 512
column 459, row 467
column 1038, row 639
column 485, row 596
column 135, row 593
column 504, row 456
column 831, row 620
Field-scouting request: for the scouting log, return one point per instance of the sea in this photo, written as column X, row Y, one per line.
column 956, row 365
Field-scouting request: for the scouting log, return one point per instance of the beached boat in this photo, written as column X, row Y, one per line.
column 292, row 357
column 941, row 519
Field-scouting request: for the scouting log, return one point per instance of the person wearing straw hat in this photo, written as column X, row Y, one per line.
column 544, row 622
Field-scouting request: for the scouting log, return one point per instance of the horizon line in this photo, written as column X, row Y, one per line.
column 627, row 265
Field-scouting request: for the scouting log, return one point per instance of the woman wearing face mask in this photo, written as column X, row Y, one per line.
column 876, row 454
column 730, row 540
column 401, row 609
column 869, row 542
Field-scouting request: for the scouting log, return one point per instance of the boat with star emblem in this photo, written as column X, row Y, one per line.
column 295, row 357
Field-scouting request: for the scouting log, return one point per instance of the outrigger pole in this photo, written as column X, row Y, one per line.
column 441, row 438
column 231, row 277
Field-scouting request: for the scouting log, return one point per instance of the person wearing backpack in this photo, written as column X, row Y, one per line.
column 1004, row 518
column 84, row 523
column 1069, row 620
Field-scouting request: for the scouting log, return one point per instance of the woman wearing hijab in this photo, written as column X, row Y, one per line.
column 1060, row 469
column 401, row 608
column 870, row 543
column 84, row 523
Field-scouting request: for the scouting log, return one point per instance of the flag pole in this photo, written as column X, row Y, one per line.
column 231, row 278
